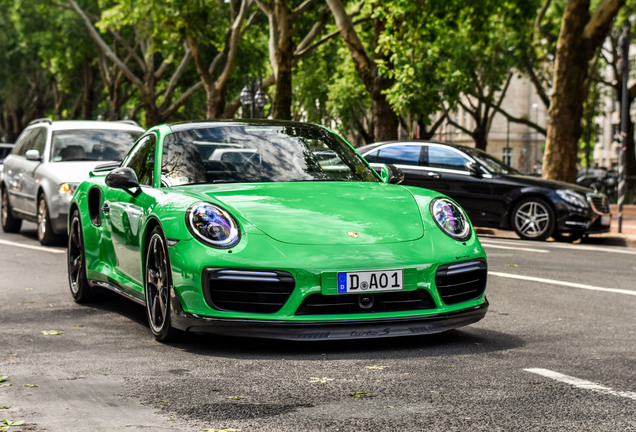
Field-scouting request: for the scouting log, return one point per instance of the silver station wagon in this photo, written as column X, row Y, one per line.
column 49, row 160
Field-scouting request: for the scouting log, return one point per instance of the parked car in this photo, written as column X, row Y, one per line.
column 494, row 194
column 49, row 160
column 599, row 179
column 285, row 245
column 5, row 149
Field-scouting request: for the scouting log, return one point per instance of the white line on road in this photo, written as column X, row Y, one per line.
column 37, row 248
column 562, row 283
column 494, row 246
column 579, row 383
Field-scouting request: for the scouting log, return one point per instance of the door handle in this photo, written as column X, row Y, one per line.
column 434, row 175
column 106, row 208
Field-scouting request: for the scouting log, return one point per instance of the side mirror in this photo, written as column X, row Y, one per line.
column 391, row 174
column 473, row 169
column 33, row 155
column 123, row 178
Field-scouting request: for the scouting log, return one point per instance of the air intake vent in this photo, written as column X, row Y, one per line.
column 462, row 281
column 318, row 304
column 257, row 291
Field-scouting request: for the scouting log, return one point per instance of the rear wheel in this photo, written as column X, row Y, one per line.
column 46, row 236
column 10, row 224
column 533, row 219
column 157, row 287
column 81, row 291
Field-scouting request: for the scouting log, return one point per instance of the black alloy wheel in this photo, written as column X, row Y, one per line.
column 46, row 236
column 157, row 287
column 81, row 290
column 10, row 224
column 533, row 219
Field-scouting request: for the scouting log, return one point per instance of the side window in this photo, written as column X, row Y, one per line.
column 38, row 140
column 441, row 157
column 373, row 156
column 23, row 143
column 142, row 160
column 406, row 154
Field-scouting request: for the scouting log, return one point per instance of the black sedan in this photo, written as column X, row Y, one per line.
column 494, row 194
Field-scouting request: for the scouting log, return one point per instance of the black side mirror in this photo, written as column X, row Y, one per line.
column 392, row 174
column 124, row 178
column 473, row 169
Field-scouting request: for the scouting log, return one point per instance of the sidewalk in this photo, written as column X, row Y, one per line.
column 627, row 237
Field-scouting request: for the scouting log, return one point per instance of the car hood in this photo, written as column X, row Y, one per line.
column 551, row 184
column 68, row 172
column 324, row 212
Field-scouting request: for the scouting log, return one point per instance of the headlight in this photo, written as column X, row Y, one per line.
column 212, row 225
column 68, row 188
column 450, row 218
column 572, row 197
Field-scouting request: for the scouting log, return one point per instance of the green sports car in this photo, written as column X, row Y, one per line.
column 272, row 229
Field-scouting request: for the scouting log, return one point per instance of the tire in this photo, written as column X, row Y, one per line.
column 81, row 290
column 46, row 236
column 157, row 286
column 567, row 237
column 10, row 224
column 533, row 219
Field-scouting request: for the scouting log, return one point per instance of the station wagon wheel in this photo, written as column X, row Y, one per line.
column 157, row 287
column 80, row 289
column 46, row 236
column 10, row 224
column 533, row 219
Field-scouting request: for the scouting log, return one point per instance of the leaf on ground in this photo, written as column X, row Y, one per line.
column 322, row 380
column 4, row 407
column 4, row 378
column 513, row 265
column 362, row 394
column 376, row 367
column 236, row 397
column 31, row 385
column 6, row 385
column 51, row 332
column 78, row 325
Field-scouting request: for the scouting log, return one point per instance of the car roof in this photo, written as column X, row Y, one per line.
column 372, row 146
column 89, row 124
column 176, row 127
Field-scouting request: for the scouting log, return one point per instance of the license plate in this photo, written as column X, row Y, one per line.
column 606, row 220
column 369, row 281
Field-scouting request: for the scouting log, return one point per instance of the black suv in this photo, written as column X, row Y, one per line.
column 494, row 194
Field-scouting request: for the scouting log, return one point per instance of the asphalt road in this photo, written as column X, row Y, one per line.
column 556, row 352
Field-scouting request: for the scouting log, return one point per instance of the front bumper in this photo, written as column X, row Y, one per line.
column 595, row 219
column 328, row 330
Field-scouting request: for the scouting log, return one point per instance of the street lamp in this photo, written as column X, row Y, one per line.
column 253, row 96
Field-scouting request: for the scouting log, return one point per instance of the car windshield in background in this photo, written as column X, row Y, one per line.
column 493, row 164
column 248, row 154
column 89, row 145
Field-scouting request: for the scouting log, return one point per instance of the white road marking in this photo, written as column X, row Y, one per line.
column 579, row 383
column 494, row 246
column 563, row 283
column 547, row 244
column 37, row 248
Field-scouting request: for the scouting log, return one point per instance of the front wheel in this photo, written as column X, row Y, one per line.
column 10, row 224
column 81, row 290
column 533, row 219
column 157, row 287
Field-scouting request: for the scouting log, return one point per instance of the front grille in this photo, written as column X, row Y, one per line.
column 599, row 203
column 462, row 281
column 237, row 290
column 318, row 304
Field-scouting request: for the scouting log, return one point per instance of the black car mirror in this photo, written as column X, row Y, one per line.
column 392, row 174
column 124, row 178
column 33, row 155
column 474, row 169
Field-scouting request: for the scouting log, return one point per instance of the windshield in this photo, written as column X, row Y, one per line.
column 247, row 154
column 493, row 164
column 92, row 145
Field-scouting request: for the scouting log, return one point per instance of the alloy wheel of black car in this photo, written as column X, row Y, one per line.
column 80, row 289
column 46, row 236
column 533, row 219
column 10, row 224
column 157, row 287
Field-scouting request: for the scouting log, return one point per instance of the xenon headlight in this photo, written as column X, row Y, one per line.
column 572, row 198
column 450, row 218
column 212, row 225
